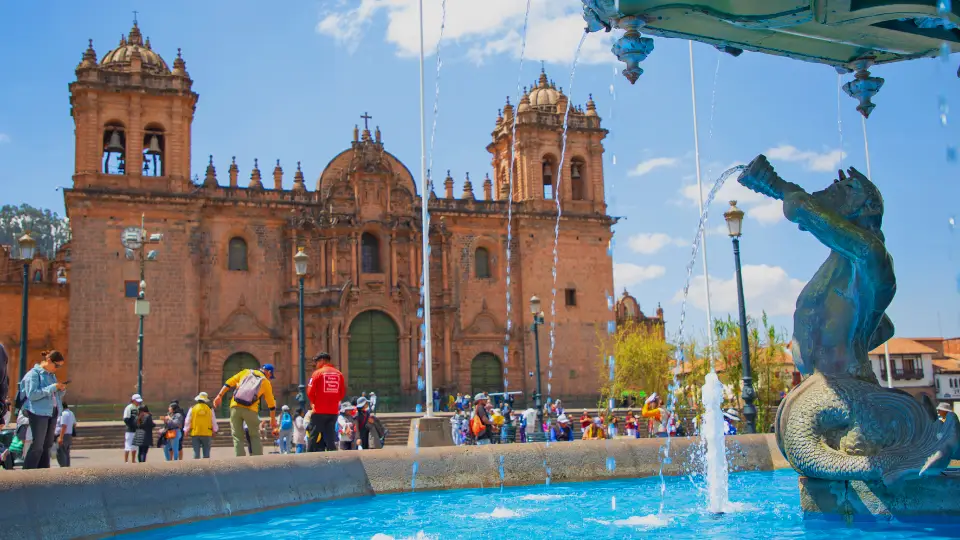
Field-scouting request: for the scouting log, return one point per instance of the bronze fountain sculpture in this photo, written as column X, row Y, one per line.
column 839, row 423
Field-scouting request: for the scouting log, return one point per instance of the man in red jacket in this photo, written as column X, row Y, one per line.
column 325, row 390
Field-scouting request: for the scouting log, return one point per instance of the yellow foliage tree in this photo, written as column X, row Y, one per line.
column 643, row 362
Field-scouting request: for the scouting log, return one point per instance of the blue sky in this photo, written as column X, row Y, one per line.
column 289, row 80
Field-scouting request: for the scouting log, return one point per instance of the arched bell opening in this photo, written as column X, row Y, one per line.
column 115, row 147
column 154, row 146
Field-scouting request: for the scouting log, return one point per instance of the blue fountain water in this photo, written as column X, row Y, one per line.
column 768, row 508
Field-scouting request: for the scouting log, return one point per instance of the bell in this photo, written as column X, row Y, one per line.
column 546, row 170
column 575, row 173
column 154, row 148
column 114, row 145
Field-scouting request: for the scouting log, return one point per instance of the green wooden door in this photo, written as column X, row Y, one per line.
column 374, row 361
column 236, row 363
column 486, row 374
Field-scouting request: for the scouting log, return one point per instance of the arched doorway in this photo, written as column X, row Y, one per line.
column 234, row 364
column 486, row 374
column 374, row 360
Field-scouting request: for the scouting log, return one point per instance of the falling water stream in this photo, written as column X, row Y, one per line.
column 716, row 459
column 556, row 229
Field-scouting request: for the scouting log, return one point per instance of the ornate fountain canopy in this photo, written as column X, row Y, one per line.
column 845, row 34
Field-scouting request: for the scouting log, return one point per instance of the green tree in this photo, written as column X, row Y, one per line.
column 49, row 229
column 643, row 362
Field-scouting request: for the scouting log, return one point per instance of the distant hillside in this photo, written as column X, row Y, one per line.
column 49, row 229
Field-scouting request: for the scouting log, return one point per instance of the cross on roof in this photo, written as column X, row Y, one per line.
column 366, row 117
column 134, row 17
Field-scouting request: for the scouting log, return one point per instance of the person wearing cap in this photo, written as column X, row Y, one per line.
column 347, row 426
column 249, row 414
column 326, row 390
column 285, row 435
column 654, row 411
column 373, row 402
column 730, row 419
column 130, row 422
column 201, row 424
column 943, row 410
column 562, row 430
column 480, row 424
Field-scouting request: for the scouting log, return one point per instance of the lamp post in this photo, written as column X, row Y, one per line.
column 135, row 239
column 537, row 321
column 734, row 217
column 27, row 247
column 300, row 264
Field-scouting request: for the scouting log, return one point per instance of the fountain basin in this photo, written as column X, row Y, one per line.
column 929, row 499
column 96, row 503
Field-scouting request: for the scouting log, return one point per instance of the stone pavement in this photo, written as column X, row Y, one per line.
column 107, row 458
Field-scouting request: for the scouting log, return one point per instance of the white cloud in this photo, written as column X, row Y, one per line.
column 827, row 161
column 767, row 213
column 650, row 243
column 648, row 166
column 765, row 288
column 628, row 274
column 485, row 29
column 4, row 138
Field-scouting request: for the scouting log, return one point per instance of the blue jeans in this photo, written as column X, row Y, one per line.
column 301, row 448
column 171, row 447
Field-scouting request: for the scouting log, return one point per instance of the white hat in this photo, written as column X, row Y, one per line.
column 732, row 414
column 346, row 406
column 598, row 420
column 652, row 397
column 137, row 398
column 373, row 393
column 562, row 419
column 945, row 407
column 202, row 396
column 361, row 401
column 480, row 396
column 285, row 408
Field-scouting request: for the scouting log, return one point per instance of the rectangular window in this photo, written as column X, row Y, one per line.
column 571, row 296
column 130, row 289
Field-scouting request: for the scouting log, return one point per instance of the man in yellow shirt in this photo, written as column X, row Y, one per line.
column 249, row 386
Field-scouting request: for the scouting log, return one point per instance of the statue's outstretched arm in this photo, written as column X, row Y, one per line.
column 832, row 229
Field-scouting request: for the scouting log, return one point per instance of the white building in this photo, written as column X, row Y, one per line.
column 911, row 365
column 947, row 380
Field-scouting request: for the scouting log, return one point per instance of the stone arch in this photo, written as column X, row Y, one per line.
column 548, row 175
column 114, row 144
column 235, row 363
column 154, row 150
column 373, row 363
column 370, row 253
column 486, row 373
column 578, row 179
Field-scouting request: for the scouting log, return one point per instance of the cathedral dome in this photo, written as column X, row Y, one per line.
column 544, row 94
column 121, row 57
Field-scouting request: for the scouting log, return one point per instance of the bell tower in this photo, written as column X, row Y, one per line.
column 538, row 172
column 133, row 119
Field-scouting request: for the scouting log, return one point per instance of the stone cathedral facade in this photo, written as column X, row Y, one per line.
column 223, row 289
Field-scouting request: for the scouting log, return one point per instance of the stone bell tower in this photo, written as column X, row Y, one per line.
column 133, row 118
column 538, row 147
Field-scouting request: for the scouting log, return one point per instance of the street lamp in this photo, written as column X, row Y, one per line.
column 27, row 248
column 300, row 265
column 734, row 217
column 537, row 321
column 135, row 240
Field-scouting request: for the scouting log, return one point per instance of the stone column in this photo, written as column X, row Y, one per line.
column 443, row 263
column 408, row 364
column 412, row 263
column 393, row 260
column 447, row 352
column 134, row 146
column 323, row 262
column 354, row 268
column 334, row 254
column 345, row 354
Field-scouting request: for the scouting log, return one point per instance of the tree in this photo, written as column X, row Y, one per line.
column 46, row 227
column 643, row 362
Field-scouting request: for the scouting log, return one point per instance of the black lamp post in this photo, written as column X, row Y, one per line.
column 27, row 247
column 300, row 265
column 734, row 217
column 135, row 239
column 537, row 321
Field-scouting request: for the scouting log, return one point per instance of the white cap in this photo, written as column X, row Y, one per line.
column 137, row 398
column 562, row 419
column 285, row 408
column 480, row 396
column 652, row 397
column 945, row 407
column 361, row 402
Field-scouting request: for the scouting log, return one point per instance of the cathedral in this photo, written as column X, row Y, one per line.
column 221, row 281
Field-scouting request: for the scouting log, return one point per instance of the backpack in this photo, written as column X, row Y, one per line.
column 286, row 422
column 476, row 426
column 248, row 391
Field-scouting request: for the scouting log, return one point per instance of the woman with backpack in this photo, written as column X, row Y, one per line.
column 201, row 424
column 41, row 396
column 143, row 435
column 285, row 435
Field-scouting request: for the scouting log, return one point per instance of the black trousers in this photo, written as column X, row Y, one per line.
column 63, row 450
column 323, row 427
column 42, row 428
column 142, row 453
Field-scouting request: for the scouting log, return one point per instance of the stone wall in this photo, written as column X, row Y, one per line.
column 47, row 326
column 94, row 503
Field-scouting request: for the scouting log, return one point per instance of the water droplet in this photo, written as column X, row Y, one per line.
column 420, row 385
column 549, row 374
column 611, row 466
column 609, row 302
column 945, row 52
column 420, row 313
column 611, row 89
column 611, row 326
column 614, row 159
column 419, row 408
column 952, row 154
column 944, row 7
column 508, row 280
column 944, row 110
column 613, row 503
column 667, row 460
column 549, row 391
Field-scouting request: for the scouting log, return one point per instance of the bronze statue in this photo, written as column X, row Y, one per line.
column 840, row 424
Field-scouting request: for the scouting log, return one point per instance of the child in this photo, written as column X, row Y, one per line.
column 300, row 431
column 285, row 435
